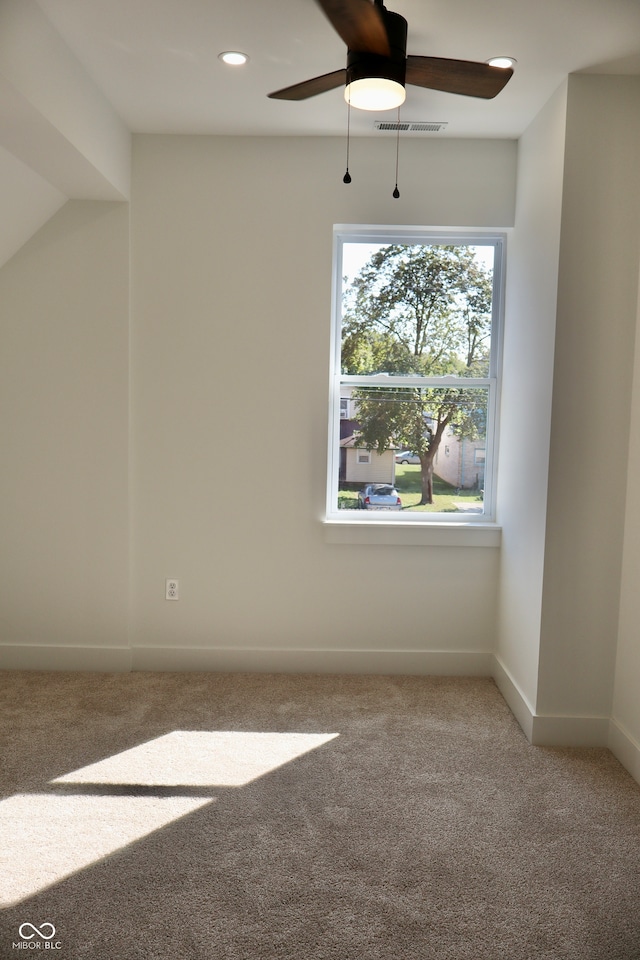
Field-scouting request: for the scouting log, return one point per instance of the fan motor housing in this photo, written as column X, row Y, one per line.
column 361, row 64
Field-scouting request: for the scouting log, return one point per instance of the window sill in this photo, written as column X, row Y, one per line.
column 412, row 534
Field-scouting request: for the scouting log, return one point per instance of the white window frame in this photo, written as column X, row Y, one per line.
column 344, row 234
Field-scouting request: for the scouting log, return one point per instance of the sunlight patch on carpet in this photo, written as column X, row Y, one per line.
column 48, row 837
column 200, row 759
column 51, row 834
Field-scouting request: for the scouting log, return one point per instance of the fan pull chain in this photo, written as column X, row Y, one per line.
column 396, row 192
column 347, row 176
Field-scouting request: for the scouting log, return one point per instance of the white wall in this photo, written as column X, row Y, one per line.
column 532, row 282
column 225, row 323
column 577, row 239
column 64, row 574
column 232, row 244
column 625, row 726
column 597, row 314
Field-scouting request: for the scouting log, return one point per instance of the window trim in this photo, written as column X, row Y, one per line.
column 402, row 533
column 344, row 234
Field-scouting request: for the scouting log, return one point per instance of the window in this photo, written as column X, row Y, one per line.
column 415, row 349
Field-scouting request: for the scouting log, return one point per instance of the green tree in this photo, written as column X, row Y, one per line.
column 420, row 310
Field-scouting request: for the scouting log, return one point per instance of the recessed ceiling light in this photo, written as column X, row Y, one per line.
column 233, row 57
column 503, row 62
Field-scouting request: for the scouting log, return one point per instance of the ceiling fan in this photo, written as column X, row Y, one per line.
column 377, row 58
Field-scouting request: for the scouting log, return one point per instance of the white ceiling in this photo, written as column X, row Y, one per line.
column 77, row 77
column 157, row 60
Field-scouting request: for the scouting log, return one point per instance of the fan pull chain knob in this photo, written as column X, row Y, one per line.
column 347, row 176
column 396, row 192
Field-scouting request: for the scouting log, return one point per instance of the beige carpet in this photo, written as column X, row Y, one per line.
column 253, row 817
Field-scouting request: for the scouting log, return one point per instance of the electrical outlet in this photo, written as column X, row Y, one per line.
column 172, row 590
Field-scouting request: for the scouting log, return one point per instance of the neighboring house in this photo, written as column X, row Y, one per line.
column 460, row 462
column 357, row 464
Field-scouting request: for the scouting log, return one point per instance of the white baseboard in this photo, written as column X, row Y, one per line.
column 625, row 747
column 557, row 731
column 236, row 659
column 391, row 662
column 515, row 698
column 49, row 657
column 543, row 730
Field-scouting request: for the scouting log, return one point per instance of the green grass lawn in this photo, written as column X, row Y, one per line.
column 445, row 498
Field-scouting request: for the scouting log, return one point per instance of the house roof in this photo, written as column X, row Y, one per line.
column 351, row 441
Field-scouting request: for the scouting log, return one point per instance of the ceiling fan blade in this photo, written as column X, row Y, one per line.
column 359, row 23
column 311, row 88
column 465, row 77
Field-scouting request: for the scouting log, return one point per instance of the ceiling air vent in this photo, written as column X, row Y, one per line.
column 391, row 125
column 411, row 126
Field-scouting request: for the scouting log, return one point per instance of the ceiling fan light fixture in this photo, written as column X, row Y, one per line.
column 375, row 93
column 376, row 40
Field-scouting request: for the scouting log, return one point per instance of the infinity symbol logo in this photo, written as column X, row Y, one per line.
column 39, row 932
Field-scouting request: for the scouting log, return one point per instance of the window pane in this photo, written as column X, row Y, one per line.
column 427, row 443
column 416, row 309
column 413, row 373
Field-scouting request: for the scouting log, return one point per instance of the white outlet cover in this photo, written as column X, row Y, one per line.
column 172, row 589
